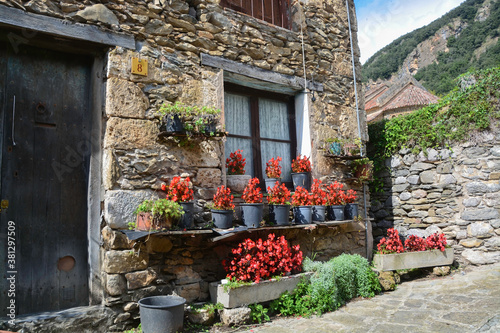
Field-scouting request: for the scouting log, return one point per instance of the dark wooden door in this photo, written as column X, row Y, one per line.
column 44, row 176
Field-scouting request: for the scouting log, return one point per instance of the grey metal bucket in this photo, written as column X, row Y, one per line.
column 222, row 219
column 302, row 179
column 252, row 214
column 335, row 213
column 351, row 211
column 162, row 314
column 302, row 214
column 278, row 214
column 319, row 213
column 187, row 217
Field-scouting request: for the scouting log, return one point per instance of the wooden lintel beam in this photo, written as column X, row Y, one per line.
column 253, row 72
column 58, row 27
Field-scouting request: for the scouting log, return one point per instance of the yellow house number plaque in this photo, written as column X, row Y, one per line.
column 139, row 66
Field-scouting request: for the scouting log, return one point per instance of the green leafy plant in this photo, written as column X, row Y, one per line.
column 195, row 118
column 258, row 313
column 362, row 169
column 233, row 283
column 164, row 212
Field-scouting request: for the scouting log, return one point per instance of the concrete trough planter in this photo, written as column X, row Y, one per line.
column 256, row 292
column 408, row 260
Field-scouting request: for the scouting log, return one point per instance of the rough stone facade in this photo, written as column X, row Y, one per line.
column 172, row 36
column 455, row 191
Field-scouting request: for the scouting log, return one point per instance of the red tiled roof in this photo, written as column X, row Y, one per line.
column 410, row 95
column 372, row 116
column 372, row 95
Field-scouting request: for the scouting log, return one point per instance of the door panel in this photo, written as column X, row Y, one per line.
column 45, row 168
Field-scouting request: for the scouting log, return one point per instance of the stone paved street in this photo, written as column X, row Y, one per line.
column 466, row 301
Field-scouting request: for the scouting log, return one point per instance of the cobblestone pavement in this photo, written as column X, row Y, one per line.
column 465, row 301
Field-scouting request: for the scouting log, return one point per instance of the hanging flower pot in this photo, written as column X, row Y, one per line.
column 335, row 212
column 172, row 123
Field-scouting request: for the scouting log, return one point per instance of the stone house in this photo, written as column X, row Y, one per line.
column 82, row 146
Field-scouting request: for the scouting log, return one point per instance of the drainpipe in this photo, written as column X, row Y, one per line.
column 359, row 124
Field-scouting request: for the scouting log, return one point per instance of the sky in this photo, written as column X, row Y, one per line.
column 381, row 21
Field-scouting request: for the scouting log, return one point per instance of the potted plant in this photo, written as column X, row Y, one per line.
column 273, row 171
column 222, row 208
column 302, row 209
column 236, row 178
column 335, row 200
column 301, row 172
column 207, row 119
column 180, row 191
column 259, row 271
column 278, row 198
column 352, row 147
column 157, row 215
column 362, row 169
column 253, row 207
column 334, row 146
column 351, row 208
column 318, row 201
column 173, row 117
column 415, row 253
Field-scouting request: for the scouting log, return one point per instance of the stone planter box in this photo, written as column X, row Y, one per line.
column 256, row 292
column 408, row 260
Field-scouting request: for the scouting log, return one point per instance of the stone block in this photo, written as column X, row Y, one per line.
column 159, row 245
column 471, row 202
column 235, row 317
column 119, row 206
column 471, row 242
column 130, row 133
column 419, row 166
column 400, row 188
column 115, row 284
column 125, row 99
column 419, row 194
column 140, row 279
column 480, row 230
column 480, row 214
column 97, row 13
column 478, row 257
column 476, row 188
column 444, row 168
column 493, row 242
column 405, row 196
column 388, row 280
column 418, row 214
column 428, row 177
column 116, row 262
column 400, row 180
column 114, row 240
column 185, row 275
column 414, row 179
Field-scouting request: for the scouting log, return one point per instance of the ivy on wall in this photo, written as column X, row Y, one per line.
column 457, row 116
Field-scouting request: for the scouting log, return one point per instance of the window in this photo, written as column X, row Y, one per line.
column 272, row 11
column 263, row 126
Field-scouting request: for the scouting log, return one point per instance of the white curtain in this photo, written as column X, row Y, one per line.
column 237, row 116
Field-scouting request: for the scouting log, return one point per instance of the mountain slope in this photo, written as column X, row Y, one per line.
column 464, row 38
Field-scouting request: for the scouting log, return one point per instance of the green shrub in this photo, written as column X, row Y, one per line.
column 332, row 284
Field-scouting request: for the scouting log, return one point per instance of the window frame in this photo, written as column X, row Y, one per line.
column 280, row 10
column 254, row 96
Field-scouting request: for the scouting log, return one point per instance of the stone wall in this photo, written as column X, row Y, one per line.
column 455, row 191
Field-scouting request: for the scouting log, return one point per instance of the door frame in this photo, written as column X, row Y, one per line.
column 97, row 97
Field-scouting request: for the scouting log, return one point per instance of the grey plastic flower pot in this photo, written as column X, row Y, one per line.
column 335, row 213
column 351, row 211
column 222, row 219
column 278, row 214
column 270, row 182
column 319, row 213
column 302, row 179
column 187, row 218
column 251, row 214
column 162, row 314
column 302, row 214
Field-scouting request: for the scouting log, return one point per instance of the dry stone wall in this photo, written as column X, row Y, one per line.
column 455, row 191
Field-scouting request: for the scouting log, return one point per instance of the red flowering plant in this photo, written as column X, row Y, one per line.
column 318, row 195
column 301, row 164
column 179, row 190
column 391, row 244
column 301, row 197
column 273, row 168
column 236, row 163
column 436, row 242
column 254, row 261
column 223, row 199
column 252, row 193
column 350, row 196
column 335, row 195
column 278, row 195
column 414, row 243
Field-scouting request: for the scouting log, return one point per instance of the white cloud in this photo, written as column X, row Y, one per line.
column 382, row 22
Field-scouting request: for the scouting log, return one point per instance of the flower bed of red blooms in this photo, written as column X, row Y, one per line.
column 318, row 195
column 278, row 195
column 301, row 164
column 236, row 163
column 223, row 199
column 273, row 168
column 301, row 197
column 392, row 244
column 254, row 261
column 252, row 193
column 178, row 190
